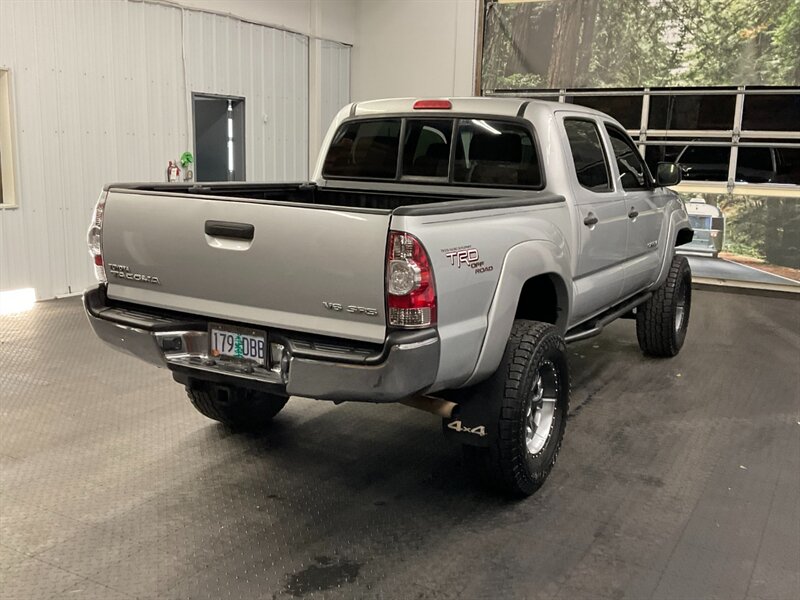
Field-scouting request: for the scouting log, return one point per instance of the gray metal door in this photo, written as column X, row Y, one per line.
column 601, row 217
column 644, row 206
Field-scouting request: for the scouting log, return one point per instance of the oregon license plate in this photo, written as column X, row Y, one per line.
column 239, row 344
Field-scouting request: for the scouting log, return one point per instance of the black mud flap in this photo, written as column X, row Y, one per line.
column 474, row 421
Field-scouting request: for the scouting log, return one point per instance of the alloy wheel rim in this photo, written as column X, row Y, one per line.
column 541, row 410
column 680, row 309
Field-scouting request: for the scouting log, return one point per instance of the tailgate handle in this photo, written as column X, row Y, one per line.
column 227, row 229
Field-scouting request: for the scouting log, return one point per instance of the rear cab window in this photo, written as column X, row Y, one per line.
column 426, row 148
column 365, row 150
column 496, row 153
column 460, row 151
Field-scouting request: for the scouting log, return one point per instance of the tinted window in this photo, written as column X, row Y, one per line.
column 779, row 112
column 364, row 149
column 496, row 153
column 587, row 154
column 665, row 152
column 691, row 112
column 426, row 148
column 632, row 172
column 625, row 109
column 705, row 163
column 784, row 169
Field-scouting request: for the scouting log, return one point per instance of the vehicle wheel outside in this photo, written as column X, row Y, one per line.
column 532, row 386
column 239, row 408
column 662, row 321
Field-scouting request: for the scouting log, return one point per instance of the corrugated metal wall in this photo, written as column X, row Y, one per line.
column 335, row 81
column 99, row 96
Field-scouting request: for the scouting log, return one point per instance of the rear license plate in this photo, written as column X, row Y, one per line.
column 235, row 343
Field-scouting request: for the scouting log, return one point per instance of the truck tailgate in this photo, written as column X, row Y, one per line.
column 313, row 269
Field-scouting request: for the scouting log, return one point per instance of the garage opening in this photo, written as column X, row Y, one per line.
column 219, row 138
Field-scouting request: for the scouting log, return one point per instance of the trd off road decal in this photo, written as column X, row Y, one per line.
column 467, row 257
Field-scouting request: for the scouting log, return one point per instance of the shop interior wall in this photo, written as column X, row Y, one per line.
column 101, row 93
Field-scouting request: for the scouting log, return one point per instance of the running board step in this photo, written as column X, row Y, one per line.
column 596, row 326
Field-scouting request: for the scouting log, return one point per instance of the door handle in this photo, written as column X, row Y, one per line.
column 591, row 220
column 633, row 214
column 227, row 229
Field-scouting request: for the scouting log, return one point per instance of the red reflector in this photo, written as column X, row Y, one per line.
column 440, row 104
column 98, row 260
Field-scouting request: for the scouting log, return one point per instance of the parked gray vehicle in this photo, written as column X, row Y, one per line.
column 442, row 256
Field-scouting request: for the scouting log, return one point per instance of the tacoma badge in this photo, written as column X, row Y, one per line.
column 124, row 272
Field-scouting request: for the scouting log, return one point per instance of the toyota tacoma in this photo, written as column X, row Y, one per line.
column 442, row 255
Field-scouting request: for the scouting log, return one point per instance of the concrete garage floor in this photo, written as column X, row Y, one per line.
column 677, row 479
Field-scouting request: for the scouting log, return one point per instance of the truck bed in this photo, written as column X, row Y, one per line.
column 303, row 193
column 277, row 255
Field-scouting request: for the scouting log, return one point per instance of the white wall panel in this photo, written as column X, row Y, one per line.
column 422, row 48
column 335, row 88
column 269, row 68
column 100, row 95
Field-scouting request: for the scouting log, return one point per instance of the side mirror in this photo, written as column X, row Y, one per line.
column 668, row 174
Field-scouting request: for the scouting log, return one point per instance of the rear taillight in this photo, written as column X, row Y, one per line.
column 410, row 289
column 95, row 238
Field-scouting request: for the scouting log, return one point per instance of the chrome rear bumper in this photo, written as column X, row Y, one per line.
column 406, row 365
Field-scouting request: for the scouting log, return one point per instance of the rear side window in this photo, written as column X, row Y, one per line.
column 364, row 149
column 426, row 148
column 588, row 155
column 495, row 153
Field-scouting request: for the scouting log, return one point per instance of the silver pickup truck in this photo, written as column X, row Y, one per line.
column 443, row 254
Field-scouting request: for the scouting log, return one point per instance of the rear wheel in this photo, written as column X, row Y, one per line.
column 532, row 387
column 238, row 408
column 662, row 321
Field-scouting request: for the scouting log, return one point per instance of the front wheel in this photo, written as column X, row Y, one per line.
column 662, row 321
column 238, row 408
column 532, row 386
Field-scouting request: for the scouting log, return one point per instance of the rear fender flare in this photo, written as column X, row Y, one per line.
column 522, row 262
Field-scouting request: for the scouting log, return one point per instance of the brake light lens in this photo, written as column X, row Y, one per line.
column 433, row 104
column 410, row 289
column 94, row 238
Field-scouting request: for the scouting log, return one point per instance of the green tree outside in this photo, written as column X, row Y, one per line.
column 641, row 43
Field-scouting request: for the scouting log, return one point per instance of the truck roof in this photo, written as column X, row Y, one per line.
column 509, row 107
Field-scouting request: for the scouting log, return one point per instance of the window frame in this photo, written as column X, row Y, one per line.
column 456, row 118
column 588, row 119
column 650, row 183
column 8, row 179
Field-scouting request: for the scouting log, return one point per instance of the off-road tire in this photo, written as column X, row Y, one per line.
column 507, row 464
column 658, row 329
column 238, row 408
